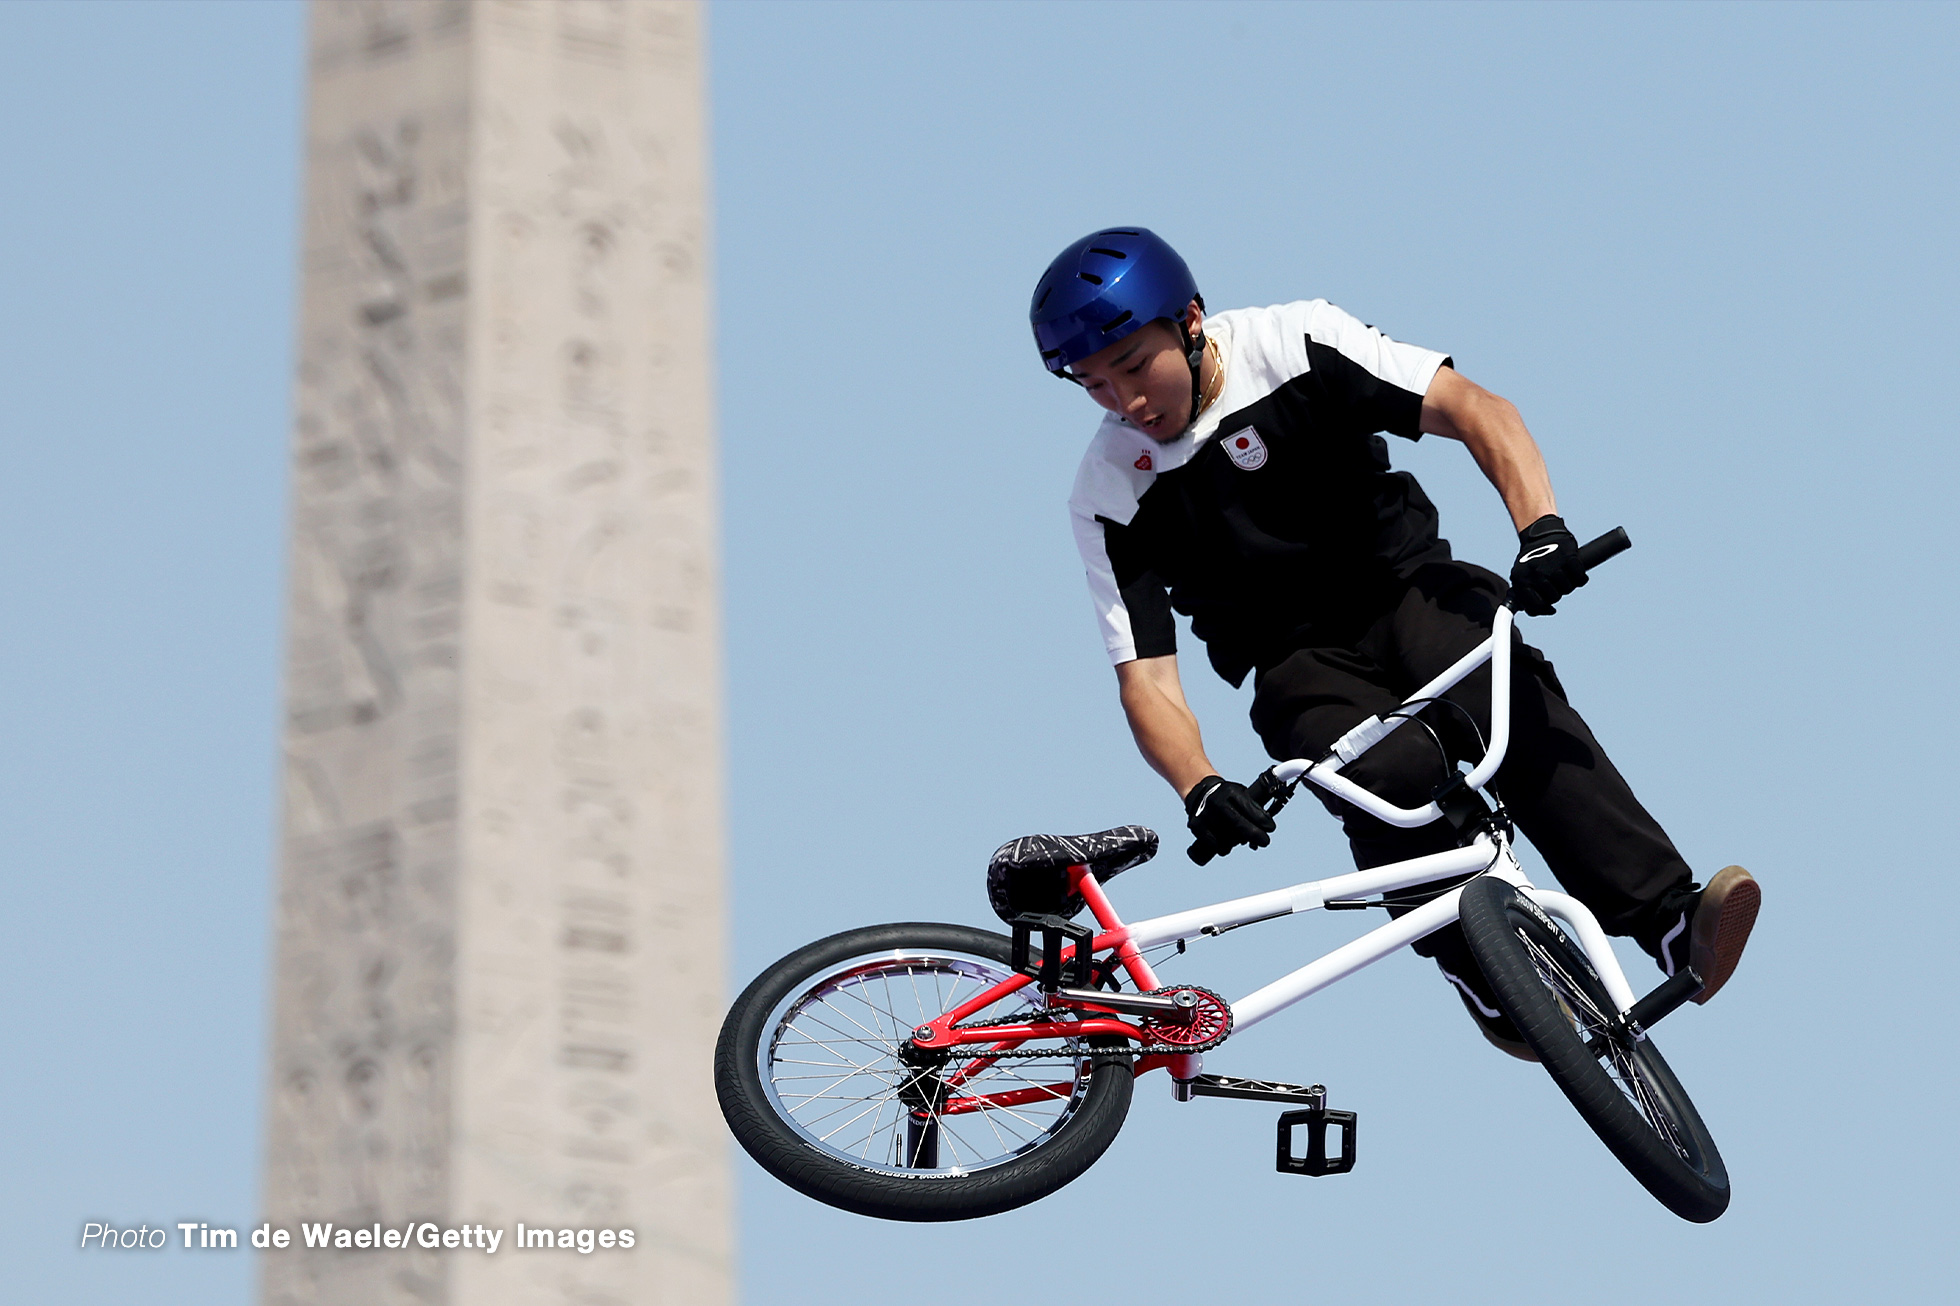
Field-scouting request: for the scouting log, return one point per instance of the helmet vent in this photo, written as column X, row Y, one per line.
column 1046, row 291
column 1113, row 253
column 1117, row 321
column 1090, row 277
column 1118, row 231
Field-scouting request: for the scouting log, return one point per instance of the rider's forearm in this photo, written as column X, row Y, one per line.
column 1492, row 429
column 1510, row 460
column 1166, row 731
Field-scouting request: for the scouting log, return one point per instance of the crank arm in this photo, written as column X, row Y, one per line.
column 1175, row 1008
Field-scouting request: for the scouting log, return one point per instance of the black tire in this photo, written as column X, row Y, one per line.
column 868, row 988
column 1621, row 1087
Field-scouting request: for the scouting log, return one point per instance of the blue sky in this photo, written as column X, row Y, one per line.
column 1708, row 252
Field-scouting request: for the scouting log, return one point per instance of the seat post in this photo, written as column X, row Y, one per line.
column 1086, row 884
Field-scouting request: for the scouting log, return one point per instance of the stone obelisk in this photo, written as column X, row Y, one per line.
column 500, row 925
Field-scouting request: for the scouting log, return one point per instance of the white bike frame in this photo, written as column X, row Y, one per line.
column 1490, row 854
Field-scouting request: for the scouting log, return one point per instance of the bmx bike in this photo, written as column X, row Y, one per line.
column 921, row 1071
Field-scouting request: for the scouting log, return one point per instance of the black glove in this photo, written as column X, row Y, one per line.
column 1547, row 568
column 1223, row 816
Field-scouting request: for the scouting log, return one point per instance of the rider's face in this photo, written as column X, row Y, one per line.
column 1143, row 377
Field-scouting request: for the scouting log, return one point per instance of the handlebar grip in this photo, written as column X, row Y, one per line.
column 1199, row 853
column 1611, row 544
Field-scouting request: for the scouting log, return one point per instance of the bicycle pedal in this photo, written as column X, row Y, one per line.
column 1317, row 1120
column 1057, row 932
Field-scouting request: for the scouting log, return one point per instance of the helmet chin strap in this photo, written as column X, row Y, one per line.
column 1194, row 358
column 1194, row 355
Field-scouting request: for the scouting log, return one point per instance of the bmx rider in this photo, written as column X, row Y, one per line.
column 1239, row 477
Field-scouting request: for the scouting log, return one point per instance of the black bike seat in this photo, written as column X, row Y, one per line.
column 1026, row 874
column 1106, row 853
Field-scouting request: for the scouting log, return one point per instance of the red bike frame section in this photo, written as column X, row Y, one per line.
column 941, row 1033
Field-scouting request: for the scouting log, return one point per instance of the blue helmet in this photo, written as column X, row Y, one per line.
column 1105, row 286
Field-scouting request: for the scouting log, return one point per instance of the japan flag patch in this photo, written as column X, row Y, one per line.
column 1246, row 450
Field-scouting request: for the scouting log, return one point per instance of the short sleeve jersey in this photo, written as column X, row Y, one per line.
column 1276, row 520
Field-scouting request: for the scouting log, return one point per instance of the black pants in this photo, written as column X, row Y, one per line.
column 1556, row 780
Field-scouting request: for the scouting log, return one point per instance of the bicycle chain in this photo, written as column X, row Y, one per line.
column 1141, row 1050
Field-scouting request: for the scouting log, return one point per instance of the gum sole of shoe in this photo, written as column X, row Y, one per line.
column 1519, row 1049
column 1717, row 942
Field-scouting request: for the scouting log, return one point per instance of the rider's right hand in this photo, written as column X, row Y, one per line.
column 1548, row 567
column 1223, row 816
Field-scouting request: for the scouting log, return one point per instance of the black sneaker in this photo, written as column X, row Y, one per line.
column 1481, row 1003
column 1711, row 934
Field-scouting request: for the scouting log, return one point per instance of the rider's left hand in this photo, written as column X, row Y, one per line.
column 1547, row 568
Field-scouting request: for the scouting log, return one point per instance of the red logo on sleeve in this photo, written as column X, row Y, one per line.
column 1143, row 463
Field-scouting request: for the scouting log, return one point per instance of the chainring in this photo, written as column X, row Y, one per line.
column 1211, row 1021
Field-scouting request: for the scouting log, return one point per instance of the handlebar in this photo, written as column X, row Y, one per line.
column 1609, row 545
column 1272, row 794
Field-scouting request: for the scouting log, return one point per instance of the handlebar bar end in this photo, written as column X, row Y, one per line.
column 1609, row 545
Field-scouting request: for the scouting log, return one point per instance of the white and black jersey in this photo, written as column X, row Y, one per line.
column 1275, row 521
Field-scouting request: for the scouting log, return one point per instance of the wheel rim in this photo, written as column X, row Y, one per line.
column 832, row 1068
column 1582, row 1001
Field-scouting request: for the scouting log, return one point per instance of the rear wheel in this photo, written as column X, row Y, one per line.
column 819, row 1082
column 1620, row 1085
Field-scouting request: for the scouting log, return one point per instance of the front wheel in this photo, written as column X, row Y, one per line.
column 1620, row 1085
column 819, row 1082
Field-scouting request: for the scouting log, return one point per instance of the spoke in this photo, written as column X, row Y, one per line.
column 996, row 1116
column 877, row 1015
column 891, row 1009
column 845, row 1036
column 866, row 1068
column 954, row 982
column 871, row 1131
column 1017, row 1140
column 1003, row 1148
column 877, row 1127
column 1035, row 1125
column 952, row 1144
column 835, row 1036
column 846, row 1077
column 848, row 1123
column 991, row 1124
column 1013, row 1073
column 825, row 1003
column 837, row 1065
column 846, row 1104
column 1631, row 1087
column 889, row 1012
column 1635, row 1086
column 1554, row 976
column 806, row 1041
